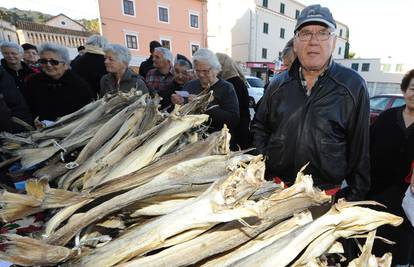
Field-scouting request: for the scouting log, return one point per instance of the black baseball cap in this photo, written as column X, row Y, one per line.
column 28, row 46
column 315, row 14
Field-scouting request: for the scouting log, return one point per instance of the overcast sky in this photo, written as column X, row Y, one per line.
column 378, row 28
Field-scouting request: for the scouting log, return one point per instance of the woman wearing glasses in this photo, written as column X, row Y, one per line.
column 56, row 91
column 224, row 109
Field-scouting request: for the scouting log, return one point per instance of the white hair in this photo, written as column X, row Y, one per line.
column 57, row 49
column 207, row 56
column 12, row 45
column 97, row 40
column 121, row 52
column 166, row 53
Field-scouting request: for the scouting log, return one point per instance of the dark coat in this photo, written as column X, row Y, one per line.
column 90, row 67
column 50, row 99
column 21, row 76
column 12, row 104
column 328, row 129
column 146, row 66
column 224, row 109
column 392, row 151
column 241, row 134
column 128, row 81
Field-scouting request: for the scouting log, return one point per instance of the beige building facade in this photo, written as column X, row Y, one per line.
column 8, row 32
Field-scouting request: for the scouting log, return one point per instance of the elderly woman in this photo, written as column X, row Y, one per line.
column 119, row 77
column 91, row 65
column 224, row 109
column 56, row 91
column 392, row 155
column 182, row 75
column 14, row 65
column 232, row 73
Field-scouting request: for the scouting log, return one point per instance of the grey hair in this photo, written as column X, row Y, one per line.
column 57, row 49
column 6, row 44
column 288, row 48
column 97, row 40
column 183, row 63
column 121, row 52
column 166, row 53
column 207, row 56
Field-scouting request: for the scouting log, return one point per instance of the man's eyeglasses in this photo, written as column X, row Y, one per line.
column 52, row 62
column 320, row 35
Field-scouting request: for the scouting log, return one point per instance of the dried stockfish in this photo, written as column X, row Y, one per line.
column 192, row 172
column 224, row 201
column 39, row 197
column 146, row 153
column 29, row 252
column 160, row 208
column 367, row 259
column 345, row 218
column 108, row 129
column 278, row 206
column 61, row 216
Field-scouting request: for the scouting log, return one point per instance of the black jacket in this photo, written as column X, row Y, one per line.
column 21, row 76
column 241, row 134
column 129, row 80
column 91, row 68
column 392, row 150
column 146, row 66
column 329, row 129
column 224, row 109
column 50, row 99
column 12, row 104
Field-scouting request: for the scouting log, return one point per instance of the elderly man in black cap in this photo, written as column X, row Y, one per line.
column 30, row 56
column 316, row 113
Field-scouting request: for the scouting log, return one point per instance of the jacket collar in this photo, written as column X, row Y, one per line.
column 25, row 67
column 126, row 77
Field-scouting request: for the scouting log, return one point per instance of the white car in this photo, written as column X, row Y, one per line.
column 256, row 90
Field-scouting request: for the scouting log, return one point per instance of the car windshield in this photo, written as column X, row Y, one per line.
column 378, row 103
column 255, row 82
column 398, row 102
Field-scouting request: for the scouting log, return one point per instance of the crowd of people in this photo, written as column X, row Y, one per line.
column 316, row 111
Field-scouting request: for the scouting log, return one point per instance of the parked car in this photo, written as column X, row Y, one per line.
column 256, row 90
column 382, row 102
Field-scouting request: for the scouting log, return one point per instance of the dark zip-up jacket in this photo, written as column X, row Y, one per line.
column 329, row 129
column 21, row 76
column 12, row 104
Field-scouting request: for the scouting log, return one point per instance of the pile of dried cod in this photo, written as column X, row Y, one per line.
column 146, row 189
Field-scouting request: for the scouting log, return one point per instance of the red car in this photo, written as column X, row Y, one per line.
column 382, row 102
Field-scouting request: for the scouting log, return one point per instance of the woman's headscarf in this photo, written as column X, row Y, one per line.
column 229, row 68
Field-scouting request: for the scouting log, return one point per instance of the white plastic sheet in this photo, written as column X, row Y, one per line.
column 408, row 205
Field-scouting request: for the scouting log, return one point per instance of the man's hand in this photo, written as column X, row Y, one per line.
column 191, row 97
column 177, row 99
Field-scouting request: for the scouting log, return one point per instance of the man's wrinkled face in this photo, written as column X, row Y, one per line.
column 11, row 55
column 159, row 61
column 182, row 74
column 30, row 56
column 314, row 53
